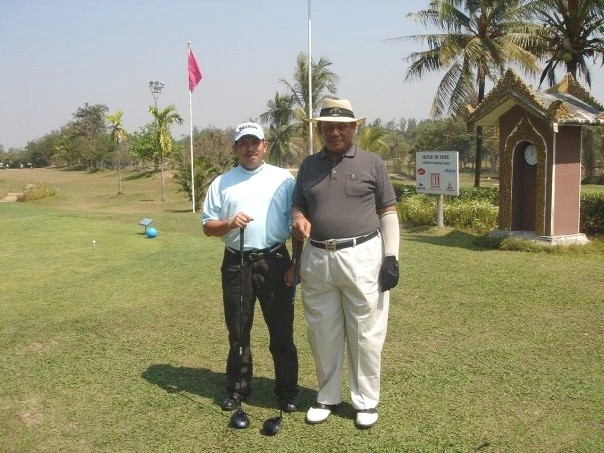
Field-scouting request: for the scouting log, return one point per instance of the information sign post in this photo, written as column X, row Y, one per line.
column 437, row 172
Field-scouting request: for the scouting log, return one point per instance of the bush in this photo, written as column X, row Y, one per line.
column 592, row 213
column 418, row 209
column 476, row 209
column 474, row 215
column 490, row 194
column 403, row 190
column 38, row 192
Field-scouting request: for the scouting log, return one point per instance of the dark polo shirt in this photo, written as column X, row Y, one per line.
column 340, row 198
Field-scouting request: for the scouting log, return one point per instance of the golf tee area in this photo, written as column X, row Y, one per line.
column 111, row 340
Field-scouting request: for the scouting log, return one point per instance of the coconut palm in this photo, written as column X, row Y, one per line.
column 373, row 139
column 572, row 34
column 323, row 82
column 164, row 120
column 479, row 39
column 204, row 173
column 281, row 128
column 118, row 133
column 571, row 37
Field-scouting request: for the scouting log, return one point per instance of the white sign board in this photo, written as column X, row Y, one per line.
column 437, row 172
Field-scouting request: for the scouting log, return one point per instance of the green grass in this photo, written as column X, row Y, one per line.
column 121, row 346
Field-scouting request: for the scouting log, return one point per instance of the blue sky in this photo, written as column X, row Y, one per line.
column 57, row 55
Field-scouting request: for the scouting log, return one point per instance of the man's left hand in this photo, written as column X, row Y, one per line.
column 388, row 277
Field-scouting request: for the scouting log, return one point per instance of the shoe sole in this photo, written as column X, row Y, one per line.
column 364, row 426
column 368, row 425
column 316, row 422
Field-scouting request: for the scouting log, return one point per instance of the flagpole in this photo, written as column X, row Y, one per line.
column 191, row 135
column 310, row 125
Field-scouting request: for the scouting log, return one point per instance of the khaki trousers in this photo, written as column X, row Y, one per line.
column 343, row 305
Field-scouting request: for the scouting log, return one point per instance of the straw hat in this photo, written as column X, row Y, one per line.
column 337, row 111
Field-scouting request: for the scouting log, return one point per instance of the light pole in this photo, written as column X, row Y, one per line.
column 156, row 88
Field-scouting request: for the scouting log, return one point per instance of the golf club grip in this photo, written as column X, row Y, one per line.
column 241, row 243
column 297, row 252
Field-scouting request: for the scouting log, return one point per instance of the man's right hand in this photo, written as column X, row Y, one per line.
column 301, row 228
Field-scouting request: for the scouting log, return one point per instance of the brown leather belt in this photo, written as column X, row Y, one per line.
column 334, row 244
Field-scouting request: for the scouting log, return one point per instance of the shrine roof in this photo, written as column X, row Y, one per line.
column 565, row 103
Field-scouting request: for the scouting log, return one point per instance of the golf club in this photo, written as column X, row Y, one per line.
column 271, row 426
column 239, row 419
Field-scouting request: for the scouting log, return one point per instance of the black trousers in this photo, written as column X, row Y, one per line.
column 262, row 281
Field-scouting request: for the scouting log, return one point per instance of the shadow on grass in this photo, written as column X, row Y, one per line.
column 454, row 238
column 141, row 175
column 211, row 384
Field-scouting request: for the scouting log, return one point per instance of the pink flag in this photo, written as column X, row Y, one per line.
column 194, row 72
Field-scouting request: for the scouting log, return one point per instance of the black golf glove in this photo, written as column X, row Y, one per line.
column 388, row 277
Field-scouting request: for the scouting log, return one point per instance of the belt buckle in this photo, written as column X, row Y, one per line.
column 331, row 245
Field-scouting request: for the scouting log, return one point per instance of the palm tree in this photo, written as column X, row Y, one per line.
column 323, row 82
column 571, row 37
column 281, row 128
column 164, row 120
column 373, row 139
column 118, row 133
column 479, row 39
column 204, row 174
column 572, row 34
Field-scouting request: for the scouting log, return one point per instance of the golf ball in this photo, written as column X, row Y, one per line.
column 151, row 232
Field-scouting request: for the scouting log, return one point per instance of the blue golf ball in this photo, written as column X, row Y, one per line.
column 151, row 232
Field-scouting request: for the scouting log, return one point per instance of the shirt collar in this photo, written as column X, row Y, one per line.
column 254, row 171
column 350, row 153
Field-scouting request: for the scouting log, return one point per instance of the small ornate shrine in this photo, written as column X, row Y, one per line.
column 539, row 155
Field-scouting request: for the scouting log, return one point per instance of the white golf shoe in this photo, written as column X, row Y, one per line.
column 366, row 418
column 319, row 413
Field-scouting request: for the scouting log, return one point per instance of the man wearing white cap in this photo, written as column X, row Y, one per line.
column 344, row 203
column 255, row 196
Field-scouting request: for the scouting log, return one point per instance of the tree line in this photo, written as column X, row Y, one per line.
column 475, row 42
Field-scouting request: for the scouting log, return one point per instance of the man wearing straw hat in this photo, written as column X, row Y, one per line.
column 344, row 204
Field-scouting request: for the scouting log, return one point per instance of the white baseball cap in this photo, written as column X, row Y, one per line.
column 249, row 129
